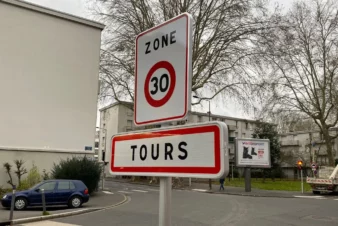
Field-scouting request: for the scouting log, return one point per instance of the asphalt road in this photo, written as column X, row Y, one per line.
column 191, row 208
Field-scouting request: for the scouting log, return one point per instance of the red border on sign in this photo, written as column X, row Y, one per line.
column 170, row 169
column 186, row 73
column 166, row 65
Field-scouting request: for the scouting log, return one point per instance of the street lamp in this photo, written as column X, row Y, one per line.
column 209, row 112
column 105, row 142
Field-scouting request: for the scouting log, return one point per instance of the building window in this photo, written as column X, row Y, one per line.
column 236, row 134
column 96, row 144
column 129, row 123
column 246, row 125
column 129, row 112
column 103, row 140
column 243, row 134
column 214, row 119
column 236, row 124
column 199, row 118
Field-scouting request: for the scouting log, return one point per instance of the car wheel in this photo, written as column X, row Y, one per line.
column 20, row 203
column 75, row 202
column 316, row 192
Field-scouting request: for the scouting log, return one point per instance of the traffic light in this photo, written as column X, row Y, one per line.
column 300, row 164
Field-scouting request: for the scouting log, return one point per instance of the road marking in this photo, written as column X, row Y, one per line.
column 140, row 191
column 149, row 189
column 309, row 197
column 48, row 223
column 108, row 192
column 200, row 190
column 127, row 192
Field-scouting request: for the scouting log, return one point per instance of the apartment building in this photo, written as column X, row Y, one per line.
column 306, row 145
column 118, row 118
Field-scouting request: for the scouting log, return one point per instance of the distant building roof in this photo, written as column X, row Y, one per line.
column 130, row 104
column 117, row 103
column 307, row 131
column 52, row 12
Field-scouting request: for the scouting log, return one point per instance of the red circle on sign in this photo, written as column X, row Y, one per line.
column 158, row 103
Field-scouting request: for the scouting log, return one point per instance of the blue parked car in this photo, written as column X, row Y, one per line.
column 57, row 192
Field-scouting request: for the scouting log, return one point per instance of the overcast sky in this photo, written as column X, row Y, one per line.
column 78, row 8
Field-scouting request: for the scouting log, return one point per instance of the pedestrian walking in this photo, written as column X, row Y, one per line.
column 221, row 181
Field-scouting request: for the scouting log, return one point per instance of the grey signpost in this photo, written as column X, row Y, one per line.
column 193, row 150
column 163, row 68
column 12, row 205
column 252, row 153
column 43, row 200
column 162, row 53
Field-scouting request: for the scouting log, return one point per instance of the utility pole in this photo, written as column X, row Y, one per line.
column 103, row 153
column 210, row 186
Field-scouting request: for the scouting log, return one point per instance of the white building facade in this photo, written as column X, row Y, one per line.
column 118, row 117
column 308, row 146
column 49, row 63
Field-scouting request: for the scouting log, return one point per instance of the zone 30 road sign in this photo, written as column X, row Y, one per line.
column 163, row 72
column 195, row 150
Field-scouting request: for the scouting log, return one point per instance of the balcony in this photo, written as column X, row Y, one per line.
column 232, row 127
column 289, row 143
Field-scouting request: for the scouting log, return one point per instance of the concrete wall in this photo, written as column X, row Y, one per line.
column 49, row 80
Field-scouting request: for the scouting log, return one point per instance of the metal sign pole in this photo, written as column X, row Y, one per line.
column 12, row 206
column 232, row 171
column 165, row 201
column 247, row 173
column 165, row 197
column 301, row 178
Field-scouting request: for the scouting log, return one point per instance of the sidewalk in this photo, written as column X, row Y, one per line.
column 99, row 200
column 204, row 187
column 241, row 191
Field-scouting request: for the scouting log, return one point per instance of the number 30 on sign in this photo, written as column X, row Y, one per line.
column 163, row 72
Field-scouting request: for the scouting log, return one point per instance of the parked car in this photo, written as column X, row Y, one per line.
column 57, row 192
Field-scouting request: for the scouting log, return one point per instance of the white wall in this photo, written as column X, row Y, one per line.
column 43, row 160
column 49, row 81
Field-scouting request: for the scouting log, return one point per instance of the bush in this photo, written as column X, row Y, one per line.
column 75, row 168
column 45, row 175
column 32, row 178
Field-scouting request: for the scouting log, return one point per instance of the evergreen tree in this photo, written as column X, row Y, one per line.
column 269, row 131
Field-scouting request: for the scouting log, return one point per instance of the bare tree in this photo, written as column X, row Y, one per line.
column 292, row 121
column 300, row 58
column 222, row 48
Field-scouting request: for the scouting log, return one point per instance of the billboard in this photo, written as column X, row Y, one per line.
column 253, row 153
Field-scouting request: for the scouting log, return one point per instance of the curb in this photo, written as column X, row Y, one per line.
column 67, row 214
column 139, row 183
column 250, row 195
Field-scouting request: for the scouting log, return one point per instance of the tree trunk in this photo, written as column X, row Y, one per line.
column 328, row 143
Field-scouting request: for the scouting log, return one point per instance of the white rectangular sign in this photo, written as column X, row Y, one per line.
column 163, row 70
column 253, row 153
column 198, row 151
